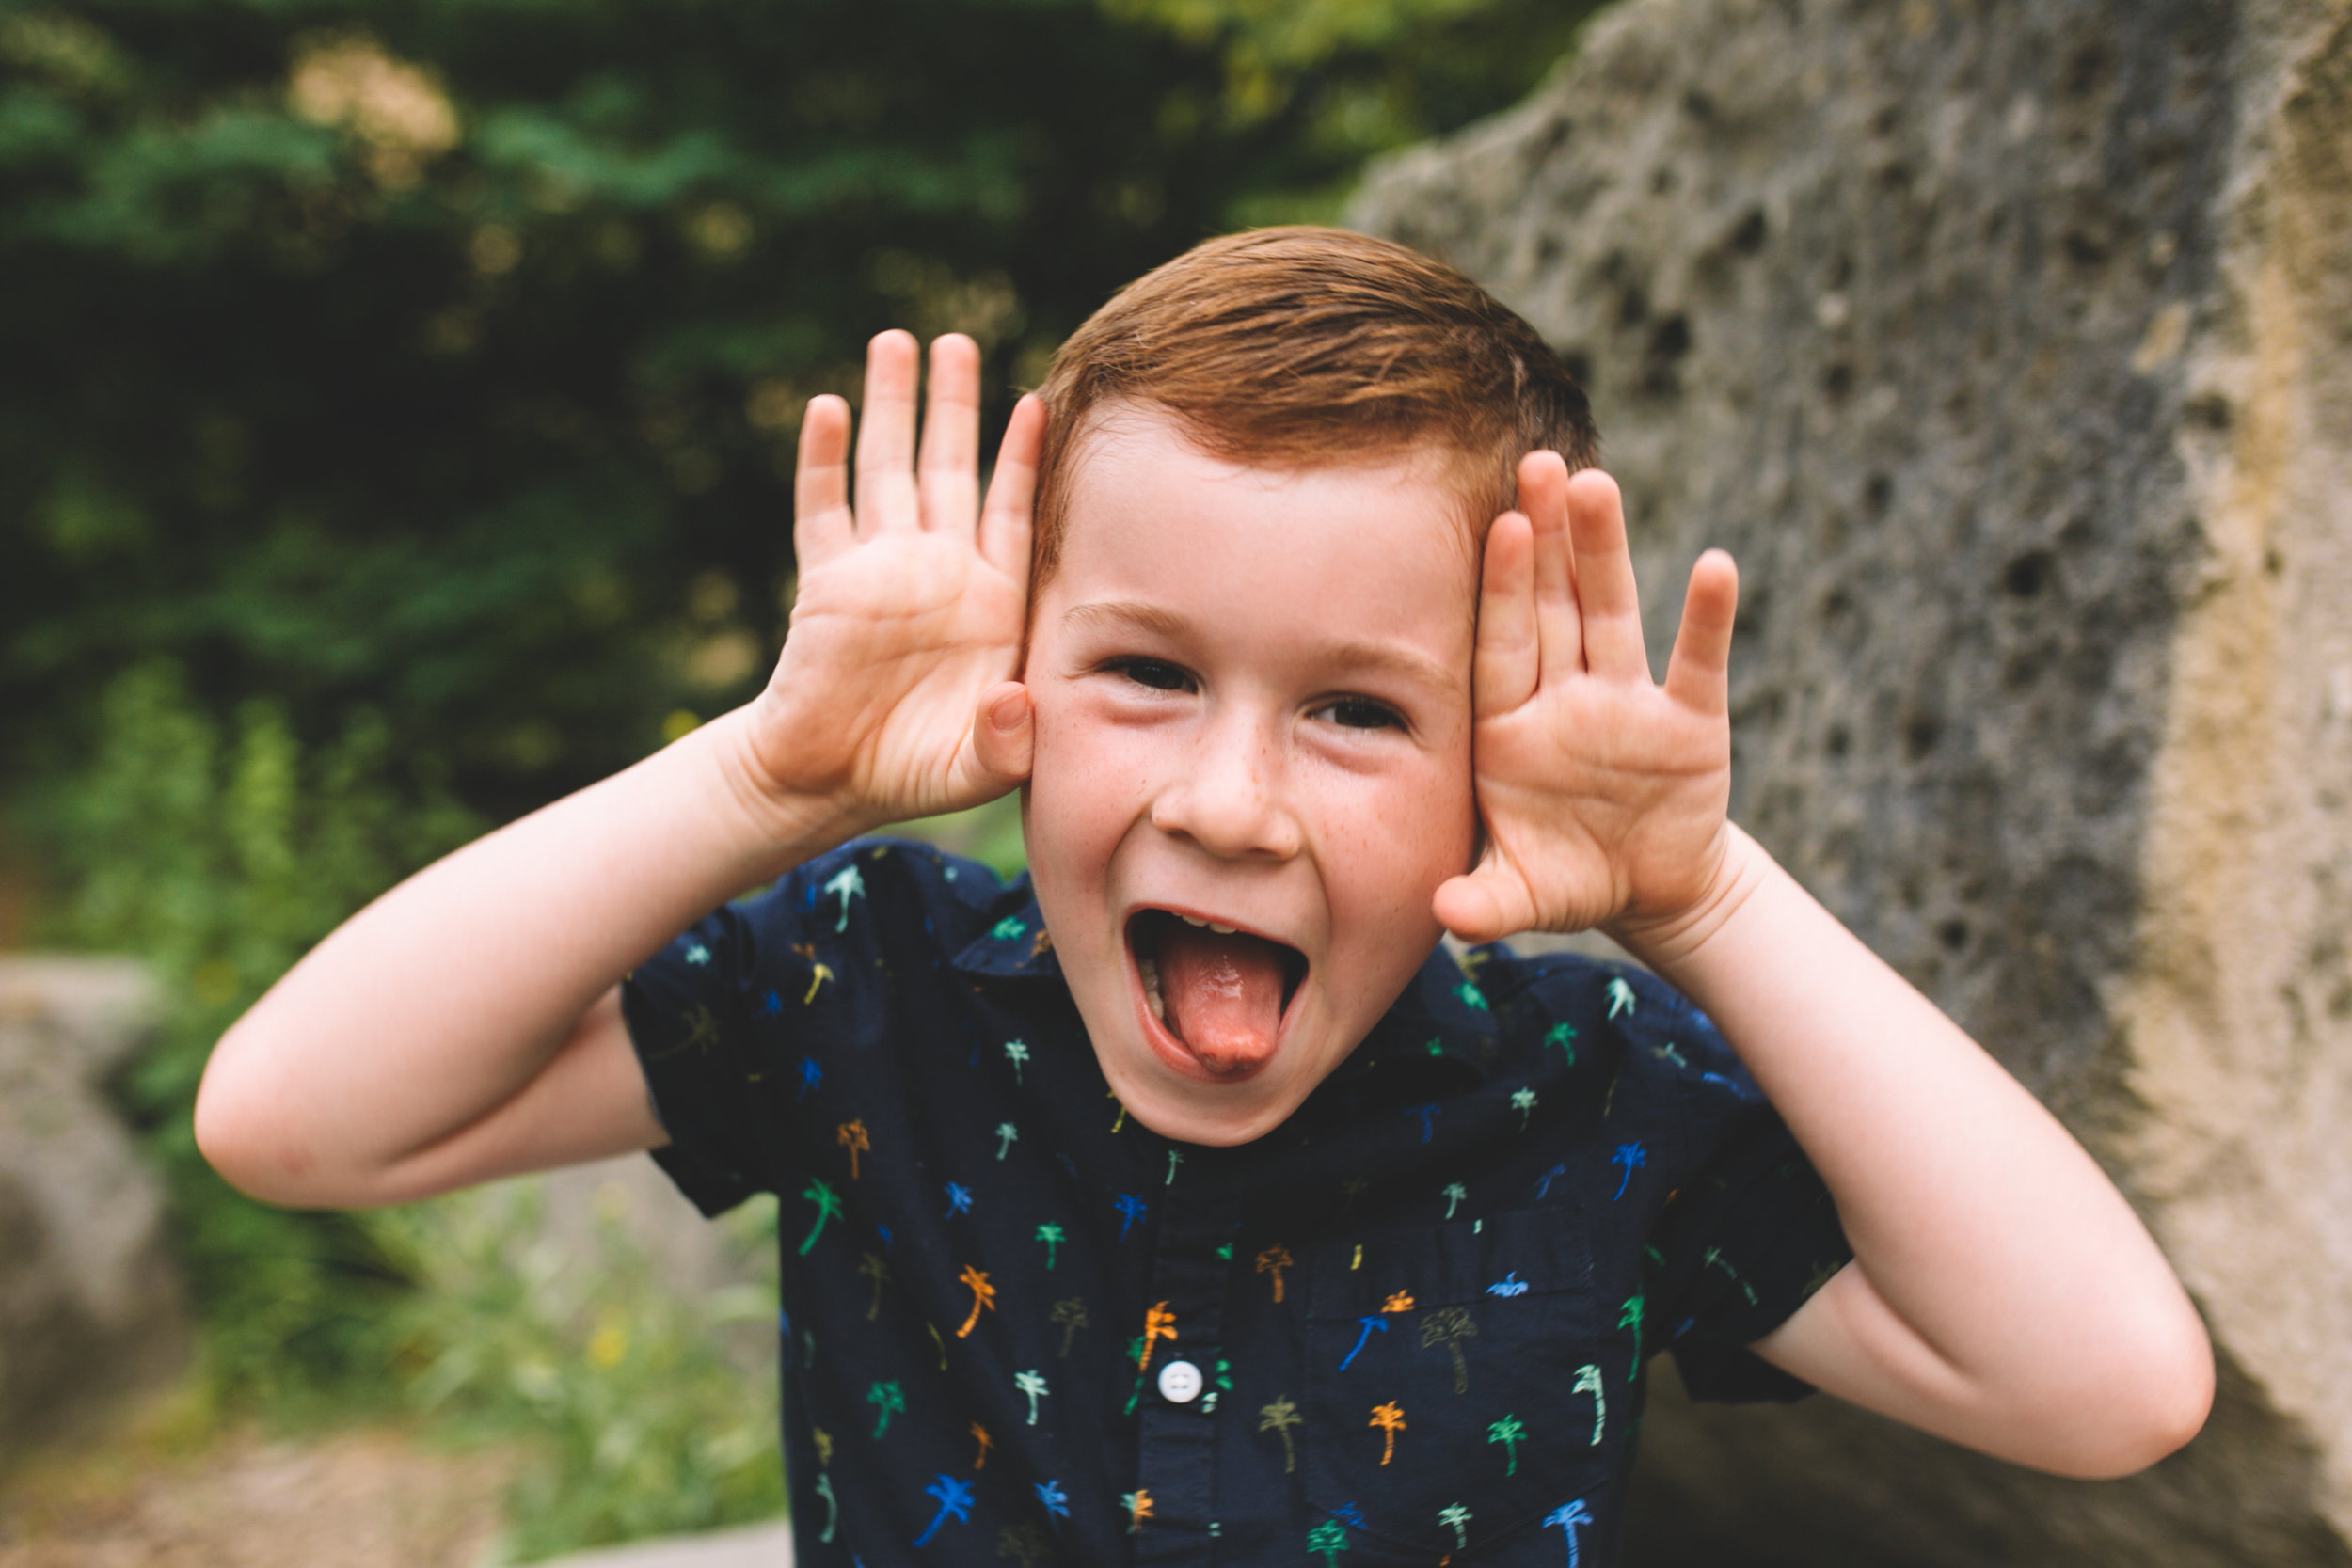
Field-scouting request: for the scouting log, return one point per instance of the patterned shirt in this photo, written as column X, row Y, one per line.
column 1408, row 1324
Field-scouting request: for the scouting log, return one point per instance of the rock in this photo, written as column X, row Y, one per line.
column 2009, row 348
column 90, row 1310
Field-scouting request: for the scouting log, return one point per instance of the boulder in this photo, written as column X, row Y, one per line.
column 90, row 1310
column 2009, row 348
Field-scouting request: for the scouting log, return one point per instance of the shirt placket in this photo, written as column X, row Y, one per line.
column 1180, row 1411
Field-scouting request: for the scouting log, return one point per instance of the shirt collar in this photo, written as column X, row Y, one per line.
column 1015, row 943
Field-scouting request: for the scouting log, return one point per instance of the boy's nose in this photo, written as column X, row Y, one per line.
column 1229, row 799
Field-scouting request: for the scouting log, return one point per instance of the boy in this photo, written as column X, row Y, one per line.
column 1192, row 1205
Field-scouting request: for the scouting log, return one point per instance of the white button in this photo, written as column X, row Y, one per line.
column 1179, row 1381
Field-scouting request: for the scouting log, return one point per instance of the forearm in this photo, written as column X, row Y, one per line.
column 433, row 1012
column 2024, row 1302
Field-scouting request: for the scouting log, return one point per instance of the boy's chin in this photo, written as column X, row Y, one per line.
column 1210, row 1115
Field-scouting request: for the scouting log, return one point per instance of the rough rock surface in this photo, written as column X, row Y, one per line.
column 2009, row 347
column 90, row 1314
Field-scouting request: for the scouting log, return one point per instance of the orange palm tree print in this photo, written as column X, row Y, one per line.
column 983, row 1294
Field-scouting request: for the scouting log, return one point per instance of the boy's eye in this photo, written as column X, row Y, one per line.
column 1361, row 713
column 1156, row 673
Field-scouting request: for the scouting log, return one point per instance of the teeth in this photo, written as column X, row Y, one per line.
column 1150, row 968
column 1221, row 931
column 1190, row 920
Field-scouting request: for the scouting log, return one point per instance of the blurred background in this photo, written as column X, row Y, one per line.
column 397, row 405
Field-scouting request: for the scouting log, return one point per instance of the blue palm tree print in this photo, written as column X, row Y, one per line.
column 812, row 1074
column 1631, row 1156
column 1543, row 1188
column 1375, row 1321
column 1131, row 1209
column 1567, row 1516
column 959, row 1200
column 954, row 1498
column 1056, row 1501
column 1428, row 1114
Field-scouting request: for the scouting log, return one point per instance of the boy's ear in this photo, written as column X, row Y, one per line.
column 1002, row 734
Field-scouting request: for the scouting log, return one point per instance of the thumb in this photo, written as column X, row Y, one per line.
column 1002, row 735
column 1486, row 905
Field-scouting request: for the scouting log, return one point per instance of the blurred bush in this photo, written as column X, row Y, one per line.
column 396, row 432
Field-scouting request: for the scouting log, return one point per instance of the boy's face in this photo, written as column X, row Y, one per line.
column 1252, row 701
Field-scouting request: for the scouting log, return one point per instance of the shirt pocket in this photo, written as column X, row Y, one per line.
column 1459, row 1380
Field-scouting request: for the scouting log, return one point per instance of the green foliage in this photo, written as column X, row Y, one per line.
column 219, row 854
column 638, row 1420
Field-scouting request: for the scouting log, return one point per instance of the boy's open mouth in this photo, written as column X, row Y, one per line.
column 1218, row 993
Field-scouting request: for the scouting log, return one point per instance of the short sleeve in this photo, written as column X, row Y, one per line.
column 1737, row 1251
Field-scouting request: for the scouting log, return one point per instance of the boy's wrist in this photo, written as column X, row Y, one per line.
column 1669, row 941
column 778, row 825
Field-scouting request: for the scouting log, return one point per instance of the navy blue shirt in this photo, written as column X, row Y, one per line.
column 1409, row 1324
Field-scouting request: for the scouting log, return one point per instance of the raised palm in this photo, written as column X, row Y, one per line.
column 909, row 604
column 1603, row 792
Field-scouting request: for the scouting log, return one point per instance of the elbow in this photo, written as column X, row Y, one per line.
column 243, row 1141
column 2153, row 1401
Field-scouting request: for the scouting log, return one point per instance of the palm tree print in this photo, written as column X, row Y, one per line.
column 1629, row 1316
column 1330, row 1539
column 1508, row 1431
column 887, row 1402
column 983, row 1295
column 828, row 1207
column 1365, row 1326
column 1564, row 1037
column 1138, row 1506
column 852, row 1136
column 1509, row 1285
column 818, row 975
column 871, row 1264
column 1069, row 1314
column 1523, row 1101
column 848, row 884
column 1455, row 1194
column 1588, row 1382
column 1428, row 1114
column 1158, row 1323
column 980, row 1435
column 954, row 1498
column 1008, row 929
column 1033, row 1385
column 959, row 1200
column 1455, row 1517
column 812, row 1074
column 1016, row 1054
column 1051, row 1235
column 1175, row 1158
column 1273, row 1261
column 1620, row 997
column 1277, row 1419
column 1567, row 1516
column 1543, row 1187
column 1135, row 1348
column 1007, row 1135
column 1633, row 1157
column 832, row 1509
column 1399, row 1301
column 1053, row 1499
column 1131, row 1209
column 1390, row 1418
column 1448, row 1327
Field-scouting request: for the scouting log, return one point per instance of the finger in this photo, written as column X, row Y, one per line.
column 1604, row 579
column 885, row 437
column 1559, row 627
column 820, row 482
column 1003, row 739
column 948, row 465
column 1484, row 906
column 1505, row 670
column 1005, row 518
column 1698, row 674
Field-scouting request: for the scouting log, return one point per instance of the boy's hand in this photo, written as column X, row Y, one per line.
column 911, row 606
column 1603, row 794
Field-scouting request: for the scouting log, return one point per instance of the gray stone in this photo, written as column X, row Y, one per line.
column 90, row 1310
column 756, row 1546
column 2009, row 348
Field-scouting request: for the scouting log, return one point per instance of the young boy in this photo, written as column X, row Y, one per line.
column 1188, row 1203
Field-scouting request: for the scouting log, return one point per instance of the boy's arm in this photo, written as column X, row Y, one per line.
column 2002, row 1294
column 466, row 1025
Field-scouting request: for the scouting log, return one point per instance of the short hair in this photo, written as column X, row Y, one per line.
column 1308, row 347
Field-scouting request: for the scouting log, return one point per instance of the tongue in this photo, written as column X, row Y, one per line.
column 1222, row 994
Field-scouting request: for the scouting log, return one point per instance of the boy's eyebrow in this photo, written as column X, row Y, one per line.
column 1407, row 663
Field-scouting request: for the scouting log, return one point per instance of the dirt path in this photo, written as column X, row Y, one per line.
column 358, row 1499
